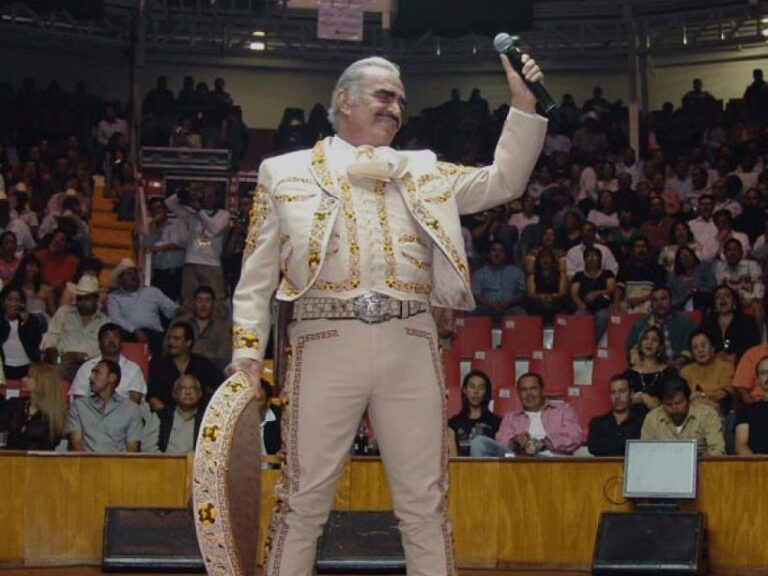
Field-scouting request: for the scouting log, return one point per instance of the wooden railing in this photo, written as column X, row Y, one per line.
column 541, row 513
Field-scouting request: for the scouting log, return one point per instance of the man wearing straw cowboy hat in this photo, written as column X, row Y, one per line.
column 73, row 334
column 137, row 309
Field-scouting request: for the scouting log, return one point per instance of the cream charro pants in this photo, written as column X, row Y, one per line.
column 337, row 368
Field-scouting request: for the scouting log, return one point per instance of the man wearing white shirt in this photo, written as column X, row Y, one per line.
column 575, row 256
column 132, row 384
column 724, row 223
column 680, row 182
column 699, row 185
column 742, row 275
column 629, row 165
column 704, row 229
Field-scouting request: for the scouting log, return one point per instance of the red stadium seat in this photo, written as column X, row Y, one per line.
column 618, row 329
column 472, row 333
column 576, row 334
column 607, row 363
column 505, row 400
column 499, row 365
column 521, row 335
column 694, row 315
column 556, row 369
column 138, row 352
column 588, row 401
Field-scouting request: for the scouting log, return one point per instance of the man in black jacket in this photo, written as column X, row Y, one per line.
column 609, row 433
column 174, row 429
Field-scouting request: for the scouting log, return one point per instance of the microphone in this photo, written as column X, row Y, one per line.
column 504, row 44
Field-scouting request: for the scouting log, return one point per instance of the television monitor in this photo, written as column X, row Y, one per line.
column 664, row 469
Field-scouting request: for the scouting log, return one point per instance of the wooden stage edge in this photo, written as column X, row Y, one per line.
column 96, row 571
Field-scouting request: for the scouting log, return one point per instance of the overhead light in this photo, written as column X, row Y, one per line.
column 765, row 32
column 258, row 46
column 764, row 20
column 259, row 34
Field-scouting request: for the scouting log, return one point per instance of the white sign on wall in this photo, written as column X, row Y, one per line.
column 340, row 20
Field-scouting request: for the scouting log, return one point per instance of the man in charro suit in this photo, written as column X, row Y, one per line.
column 365, row 240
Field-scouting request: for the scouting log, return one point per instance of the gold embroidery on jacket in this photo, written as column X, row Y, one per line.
column 259, row 212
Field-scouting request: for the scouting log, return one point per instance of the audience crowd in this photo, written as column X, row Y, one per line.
column 680, row 225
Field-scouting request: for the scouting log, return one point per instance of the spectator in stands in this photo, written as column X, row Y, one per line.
column 608, row 434
column 526, row 216
column 691, row 282
column 71, row 222
column 179, row 359
column 679, row 236
column 704, row 229
column 656, row 228
column 498, row 287
column 752, row 419
column 212, row 334
column 24, row 240
column 547, row 243
column 207, row 226
column 137, row 309
column 676, row 328
column 680, row 182
column 751, row 221
column 569, row 234
column 744, row 276
column 724, row 224
column 158, row 111
column 730, row 330
column 36, row 421
column 232, row 254
column 9, row 261
column 57, row 264
column 745, row 382
column 539, row 428
column 104, row 421
column 637, row 278
column 592, row 290
column 708, row 376
column 678, row 418
column 132, row 384
column 649, row 370
column 621, row 238
column 166, row 239
column 475, row 417
column 575, row 255
column 110, row 125
column 629, row 164
column 546, row 287
column 20, row 333
column 270, row 421
column 174, row 429
column 39, row 295
column 184, row 135
column 124, row 191
column 23, row 210
column 604, row 215
column 72, row 335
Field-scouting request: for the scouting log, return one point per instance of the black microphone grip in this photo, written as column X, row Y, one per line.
column 504, row 45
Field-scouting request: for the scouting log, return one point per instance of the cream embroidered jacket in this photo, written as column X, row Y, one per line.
column 298, row 200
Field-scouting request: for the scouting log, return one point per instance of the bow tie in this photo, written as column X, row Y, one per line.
column 382, row 163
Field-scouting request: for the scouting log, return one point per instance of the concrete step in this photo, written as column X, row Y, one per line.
column 111, row 256
column 109, row 220
column 110, row 236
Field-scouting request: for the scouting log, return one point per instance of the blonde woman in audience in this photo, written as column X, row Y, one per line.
column 650, row 368
column 37, row 421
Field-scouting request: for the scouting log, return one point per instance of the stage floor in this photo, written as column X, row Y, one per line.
column 96, row 571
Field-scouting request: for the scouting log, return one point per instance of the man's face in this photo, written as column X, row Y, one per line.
column 157, row 211
column 629, row 157
column 186, row 393
column 640, row 250
column 661, row 304
column 699, row 178
column 620, row 396
column 203, row 306
column 100, row 378
column 8, row 244
column 531, row 394
column 588, row 234
column 723, row 301
column 676, row 408
column 110, row 343
column 177, row 344
column 209, row 198
column 732, row 252
column 497, row 255
column 129, row 280
column 86, row 304
column 762, row 375
column 58, row 243
column 723, row 222
column 378, row 113
column 706, row 206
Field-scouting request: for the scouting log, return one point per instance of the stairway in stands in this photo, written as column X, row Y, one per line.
column 112, row 240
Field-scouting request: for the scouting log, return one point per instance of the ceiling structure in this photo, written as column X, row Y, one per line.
column 580, row 32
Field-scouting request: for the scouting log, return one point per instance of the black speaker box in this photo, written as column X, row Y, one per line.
column 660, row 543
column 150, row 539
column 361, row 542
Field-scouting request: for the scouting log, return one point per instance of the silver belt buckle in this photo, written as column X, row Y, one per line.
column 368, row 308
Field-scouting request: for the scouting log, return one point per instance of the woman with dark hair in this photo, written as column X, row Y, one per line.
column 37, row 421
column 679, row 235
column 39, row 295
column 593, row 289
column 546, row 287
column 475, row 417
column 690, row 282
column 730, row 330
column 20, row 333
column 650, row 369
